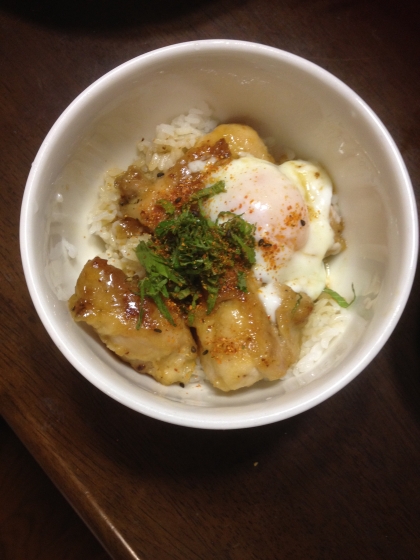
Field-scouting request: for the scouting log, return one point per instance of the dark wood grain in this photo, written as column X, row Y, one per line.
column 339, row 481
column 35, row 520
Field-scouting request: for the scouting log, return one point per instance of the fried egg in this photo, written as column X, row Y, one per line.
column 290, row 207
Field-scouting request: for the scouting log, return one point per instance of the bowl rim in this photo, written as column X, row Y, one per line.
column 201, row 417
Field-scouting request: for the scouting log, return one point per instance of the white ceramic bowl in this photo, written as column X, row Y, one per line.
column 283, row 96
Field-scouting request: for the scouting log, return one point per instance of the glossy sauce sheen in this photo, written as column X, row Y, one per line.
column 107, row 301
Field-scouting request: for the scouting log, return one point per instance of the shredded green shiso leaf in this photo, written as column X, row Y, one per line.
column 339, row 299
column 188, row 255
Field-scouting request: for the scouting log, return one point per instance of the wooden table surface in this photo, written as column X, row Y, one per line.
column 338, row 481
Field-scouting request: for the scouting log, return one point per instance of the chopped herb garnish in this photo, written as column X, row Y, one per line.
column 207, row 192
column 339, row 299
column 167, row 206
column 242, row 281
column 189, row 255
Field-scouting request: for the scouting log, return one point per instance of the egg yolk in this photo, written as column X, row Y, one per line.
column 266, row 197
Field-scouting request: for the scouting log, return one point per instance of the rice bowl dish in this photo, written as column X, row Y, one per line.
column 312, row 122
column 327, row 320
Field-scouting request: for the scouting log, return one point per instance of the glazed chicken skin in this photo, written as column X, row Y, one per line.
column 106, row 300
column 239, row 344
column 140, row 195
column 240, row 139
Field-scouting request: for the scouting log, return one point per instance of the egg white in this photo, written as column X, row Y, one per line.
column 305, row 271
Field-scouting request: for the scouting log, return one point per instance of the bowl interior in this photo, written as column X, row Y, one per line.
column 284, row 98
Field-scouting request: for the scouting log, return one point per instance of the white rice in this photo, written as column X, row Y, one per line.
column 325, row 325
column 172, row 140
column 328, row 320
